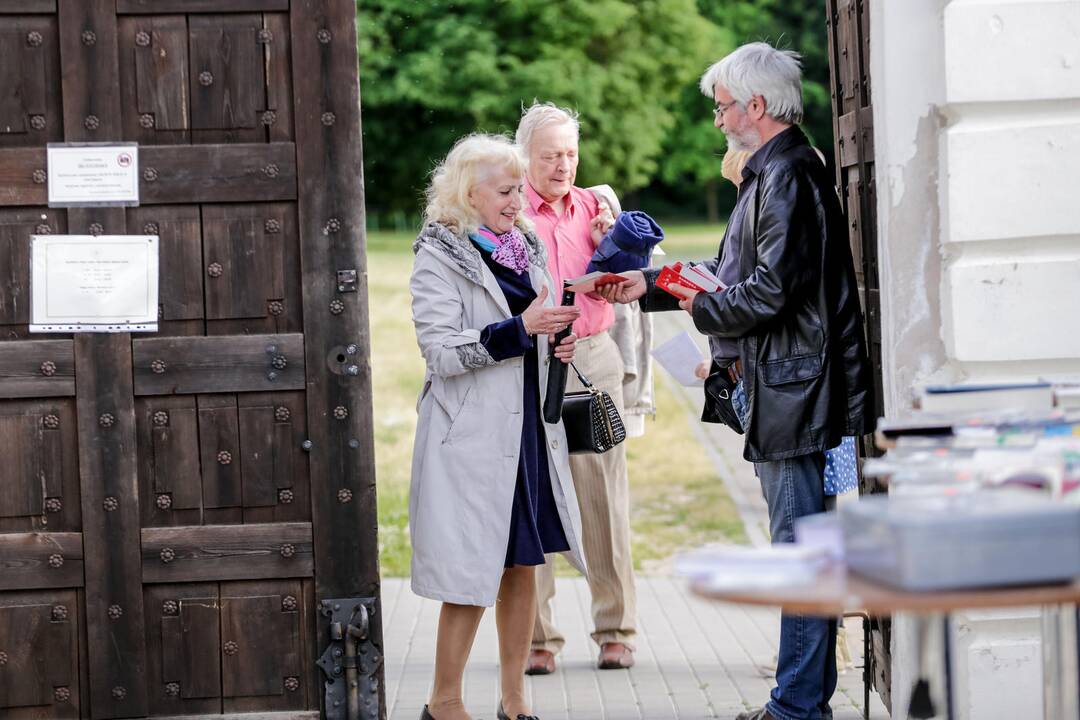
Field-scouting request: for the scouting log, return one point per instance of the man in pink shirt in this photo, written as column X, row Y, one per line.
column 572, row 222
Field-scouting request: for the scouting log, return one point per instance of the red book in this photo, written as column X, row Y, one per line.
column 669, row 276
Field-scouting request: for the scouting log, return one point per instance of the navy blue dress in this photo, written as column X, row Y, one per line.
column 535, row 527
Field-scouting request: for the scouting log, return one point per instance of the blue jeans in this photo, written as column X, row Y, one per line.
column 806, row 664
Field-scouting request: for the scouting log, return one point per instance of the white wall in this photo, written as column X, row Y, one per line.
column 977, row 145
column 1012, row 185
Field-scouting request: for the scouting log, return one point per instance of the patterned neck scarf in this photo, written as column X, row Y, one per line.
column 508, row 249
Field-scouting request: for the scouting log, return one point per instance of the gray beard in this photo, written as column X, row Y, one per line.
column 748, row 143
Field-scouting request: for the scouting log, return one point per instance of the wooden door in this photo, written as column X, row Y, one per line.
column 848, row 24
column 176, row 507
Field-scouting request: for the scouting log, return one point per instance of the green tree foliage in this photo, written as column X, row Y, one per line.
column 434, row 70
column 694, row 147
column 793, row 25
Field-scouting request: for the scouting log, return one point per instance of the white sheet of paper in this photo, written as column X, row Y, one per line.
column 93, row 174
column 680, row 356
column 87, row 283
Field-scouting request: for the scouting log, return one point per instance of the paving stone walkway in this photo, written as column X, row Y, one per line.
column 695, row 659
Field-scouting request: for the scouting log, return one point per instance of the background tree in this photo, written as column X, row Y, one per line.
column 690, row 173
column 433, row 70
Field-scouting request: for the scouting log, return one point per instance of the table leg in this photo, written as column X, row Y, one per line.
column 1051, row 661
column 868, row 665
column 1061, row 676
column 1070, row 693
column 946, row 643
column 921, row 704
column 1061, row 663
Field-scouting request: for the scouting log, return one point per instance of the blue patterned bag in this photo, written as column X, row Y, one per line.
column 841, row 468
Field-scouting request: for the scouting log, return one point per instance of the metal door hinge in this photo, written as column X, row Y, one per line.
column 346, row 281
column 351, row 662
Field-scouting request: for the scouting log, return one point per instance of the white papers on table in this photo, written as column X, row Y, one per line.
column 821, row 530
column 734, row 567
column 680, row 356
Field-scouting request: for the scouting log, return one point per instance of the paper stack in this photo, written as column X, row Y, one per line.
column 720, row 567
column 1038, row 396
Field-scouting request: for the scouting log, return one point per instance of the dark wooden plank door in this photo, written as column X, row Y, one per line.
column 853, row 128
column 175, row 506
column 848, row 24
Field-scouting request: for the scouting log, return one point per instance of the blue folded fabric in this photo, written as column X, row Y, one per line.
column 628, row 244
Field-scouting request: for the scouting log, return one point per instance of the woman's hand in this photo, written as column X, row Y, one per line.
column 601, row 223
column 702, row 369
column 564, row 350
column 540, row 320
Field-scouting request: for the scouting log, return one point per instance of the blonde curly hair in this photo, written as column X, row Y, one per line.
column 472, row 159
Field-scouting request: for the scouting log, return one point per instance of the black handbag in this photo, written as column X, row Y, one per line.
column 718, row 407
column 591, row 419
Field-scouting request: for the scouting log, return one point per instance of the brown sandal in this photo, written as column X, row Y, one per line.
column 541, row 662
column 615, row 656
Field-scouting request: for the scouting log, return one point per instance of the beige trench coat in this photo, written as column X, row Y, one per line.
column 468, row 433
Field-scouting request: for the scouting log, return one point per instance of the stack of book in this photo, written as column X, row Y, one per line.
column 968, row 398
column 692, row 276
column 968, row 436
column 719, row 567
column 942, row 410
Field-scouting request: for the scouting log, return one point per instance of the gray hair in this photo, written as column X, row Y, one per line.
column 760, row 69
column 539, row 115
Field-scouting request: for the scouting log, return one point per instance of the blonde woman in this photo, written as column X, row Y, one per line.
column 491, row 489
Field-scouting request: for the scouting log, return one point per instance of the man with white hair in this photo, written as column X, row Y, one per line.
column 789, row 363
column 572, row 222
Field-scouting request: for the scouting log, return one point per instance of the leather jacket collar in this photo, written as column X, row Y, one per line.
column 779, row 144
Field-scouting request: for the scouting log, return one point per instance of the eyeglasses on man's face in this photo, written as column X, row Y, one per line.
column 722, row 108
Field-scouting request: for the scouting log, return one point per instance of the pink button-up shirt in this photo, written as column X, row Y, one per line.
column 569, row 249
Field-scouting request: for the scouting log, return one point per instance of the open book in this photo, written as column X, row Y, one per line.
column 589, row 283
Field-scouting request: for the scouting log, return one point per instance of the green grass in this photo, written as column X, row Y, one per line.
column 397, row 371
column 690, row 242
column 674, row 505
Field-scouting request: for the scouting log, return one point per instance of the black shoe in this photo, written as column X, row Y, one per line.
column 425, row 715
column 760, row 714
column 503, row 716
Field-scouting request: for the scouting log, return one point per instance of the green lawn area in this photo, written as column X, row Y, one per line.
column 690, row 242
column 674, row 505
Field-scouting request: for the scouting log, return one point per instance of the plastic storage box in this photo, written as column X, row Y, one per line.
column 979, row 539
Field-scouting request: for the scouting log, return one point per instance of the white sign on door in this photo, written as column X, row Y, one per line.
column 88, row 283
column 93, row 174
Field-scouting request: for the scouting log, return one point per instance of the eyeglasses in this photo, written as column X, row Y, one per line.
column 722, row 108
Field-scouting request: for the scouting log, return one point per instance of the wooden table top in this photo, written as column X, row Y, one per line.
column 835, row 592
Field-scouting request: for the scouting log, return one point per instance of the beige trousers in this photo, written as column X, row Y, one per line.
column 603, row 494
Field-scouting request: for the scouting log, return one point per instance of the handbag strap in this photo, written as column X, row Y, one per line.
column 584, row 380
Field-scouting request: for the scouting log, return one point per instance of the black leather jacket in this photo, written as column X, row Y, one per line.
column 796, row 314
